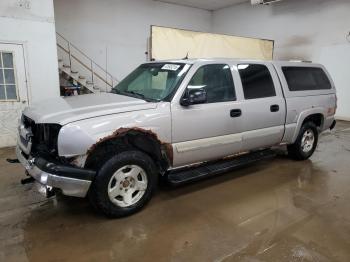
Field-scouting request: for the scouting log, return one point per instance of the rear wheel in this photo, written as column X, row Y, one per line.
column 124, row 184
column 306, row 142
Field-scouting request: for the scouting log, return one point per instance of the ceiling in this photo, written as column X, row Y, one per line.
column 205, row 4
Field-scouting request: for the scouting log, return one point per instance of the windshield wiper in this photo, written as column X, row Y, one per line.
column 134, row 94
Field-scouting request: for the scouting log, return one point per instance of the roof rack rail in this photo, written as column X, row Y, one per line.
column 300, row 61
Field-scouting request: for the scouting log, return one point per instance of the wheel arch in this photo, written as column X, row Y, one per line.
column 315, row 115
column 127, row 139
column 317, row 119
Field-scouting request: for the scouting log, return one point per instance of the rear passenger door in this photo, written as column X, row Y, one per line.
column 263, row 107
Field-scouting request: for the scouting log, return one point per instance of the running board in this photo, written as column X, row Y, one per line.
column 178, row 177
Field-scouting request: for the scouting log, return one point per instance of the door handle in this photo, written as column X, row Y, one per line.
column 235, row 112
column 274, row 108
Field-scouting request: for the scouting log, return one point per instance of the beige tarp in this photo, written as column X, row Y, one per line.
column 170, row 43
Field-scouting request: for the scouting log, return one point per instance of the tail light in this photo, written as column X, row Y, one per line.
column 331, row 110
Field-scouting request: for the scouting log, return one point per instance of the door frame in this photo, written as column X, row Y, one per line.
column 224, row 140
column 262, row 133
column 26, row 64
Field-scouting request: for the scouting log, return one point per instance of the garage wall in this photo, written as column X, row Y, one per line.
column 27, row 27
column 31, row 22
column 310, row 30
column 121, row 27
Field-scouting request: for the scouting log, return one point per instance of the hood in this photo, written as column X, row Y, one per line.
column 66, row 110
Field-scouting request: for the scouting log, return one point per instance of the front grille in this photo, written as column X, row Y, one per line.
column 27, row 122
column 44, row 139
column 24, row 141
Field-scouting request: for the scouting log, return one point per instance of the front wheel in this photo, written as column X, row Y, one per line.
column 124, row 184
column 306, row 142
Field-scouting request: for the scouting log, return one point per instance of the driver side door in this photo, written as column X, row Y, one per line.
column 211, row 130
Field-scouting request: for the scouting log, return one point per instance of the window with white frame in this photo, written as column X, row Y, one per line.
column 8, row 89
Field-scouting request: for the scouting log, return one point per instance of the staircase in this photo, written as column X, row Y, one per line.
column 78, row 68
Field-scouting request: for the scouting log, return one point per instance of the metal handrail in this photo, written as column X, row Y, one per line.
column 89, row 67
column 80, row 51
column 84, row 65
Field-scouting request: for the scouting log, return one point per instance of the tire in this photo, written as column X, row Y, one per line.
column 124, row 184
column 306, row 142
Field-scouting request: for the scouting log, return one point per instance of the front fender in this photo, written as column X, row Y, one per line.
column 75, row 139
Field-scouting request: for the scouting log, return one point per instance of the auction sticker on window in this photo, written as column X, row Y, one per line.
column 170, row 67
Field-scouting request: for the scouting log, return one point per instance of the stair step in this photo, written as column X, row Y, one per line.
column 81, row 77
column 96, row 88
column 74, row 72
column 89, row 82
column 193, row 174
column 66, row 66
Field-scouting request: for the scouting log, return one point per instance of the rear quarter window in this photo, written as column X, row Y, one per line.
column 306, row 78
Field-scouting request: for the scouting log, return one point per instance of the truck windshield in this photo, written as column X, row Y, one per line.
column 153, row 81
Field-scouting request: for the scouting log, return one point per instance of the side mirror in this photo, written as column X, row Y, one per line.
column 194, row 96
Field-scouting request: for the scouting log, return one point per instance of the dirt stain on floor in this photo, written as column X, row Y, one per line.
column 278, row 210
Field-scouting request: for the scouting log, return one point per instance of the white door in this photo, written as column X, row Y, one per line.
column 13, row 91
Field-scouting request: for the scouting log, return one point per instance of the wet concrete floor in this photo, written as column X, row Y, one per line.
column 278, row 210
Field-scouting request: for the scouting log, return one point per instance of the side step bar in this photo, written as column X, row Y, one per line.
column 178, row 177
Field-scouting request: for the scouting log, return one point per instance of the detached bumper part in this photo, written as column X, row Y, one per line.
column 71, row 181
column 333, row 124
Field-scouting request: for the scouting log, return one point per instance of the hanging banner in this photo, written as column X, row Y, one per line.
column 171, row 43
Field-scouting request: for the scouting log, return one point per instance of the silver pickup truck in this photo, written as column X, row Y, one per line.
column 181, row 120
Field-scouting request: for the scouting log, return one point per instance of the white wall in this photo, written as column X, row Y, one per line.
column 31, row 22
column 310, row 29
column 122, row 27
column 27, row 28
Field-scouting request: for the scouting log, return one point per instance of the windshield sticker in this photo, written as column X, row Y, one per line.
column 170, row 67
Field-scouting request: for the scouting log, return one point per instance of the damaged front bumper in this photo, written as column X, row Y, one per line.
column 70, row 180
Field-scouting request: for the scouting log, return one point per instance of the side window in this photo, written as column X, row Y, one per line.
column 256, row 81
column 306, row 78
column 217, row 81
column 8, row 90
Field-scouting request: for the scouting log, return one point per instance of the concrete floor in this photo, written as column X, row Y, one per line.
column 278, row 210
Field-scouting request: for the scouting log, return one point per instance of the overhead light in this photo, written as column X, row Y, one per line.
column 263, row 2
